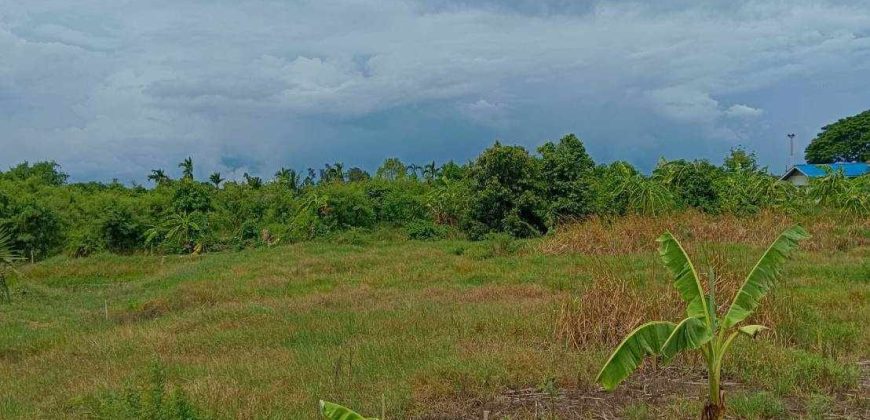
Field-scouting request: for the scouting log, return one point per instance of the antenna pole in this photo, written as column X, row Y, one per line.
column 791, row 150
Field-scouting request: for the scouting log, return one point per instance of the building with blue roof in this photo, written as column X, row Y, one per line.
column 801, row 174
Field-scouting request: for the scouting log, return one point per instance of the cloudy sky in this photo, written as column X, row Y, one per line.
column 114, row 88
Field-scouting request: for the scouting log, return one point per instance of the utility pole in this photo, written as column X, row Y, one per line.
column 790, row 151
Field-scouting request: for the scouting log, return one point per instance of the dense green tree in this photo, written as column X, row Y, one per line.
column 739, row 159
column 507, row 193
column 191, row 196
column 452, row 171
column 346, row 206
column 357, row 175
column 847, row 140
column 44, row 173
column 120, row 230
column 392, row 169
column 35, row 228
column 567, row 172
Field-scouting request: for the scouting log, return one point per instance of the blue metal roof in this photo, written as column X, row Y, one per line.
column 849, row 169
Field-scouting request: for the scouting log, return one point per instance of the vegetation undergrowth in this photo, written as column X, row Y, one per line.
column 417, row 325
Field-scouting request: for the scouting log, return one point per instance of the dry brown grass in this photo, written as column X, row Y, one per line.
column 611, row 307
column 630, row 234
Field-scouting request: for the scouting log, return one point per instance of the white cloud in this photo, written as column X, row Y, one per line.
column 686, row 104
column 743, row 111
column 119, row 87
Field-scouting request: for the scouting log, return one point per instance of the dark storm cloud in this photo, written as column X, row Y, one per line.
column 113, row 88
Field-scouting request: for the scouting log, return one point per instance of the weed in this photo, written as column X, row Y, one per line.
column 637, row 411
column 757, row 405
column 149, row 400
column 818, row 405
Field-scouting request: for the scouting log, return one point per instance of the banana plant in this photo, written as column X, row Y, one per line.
column 8, row 257
column 333, row 411
column 702, row 329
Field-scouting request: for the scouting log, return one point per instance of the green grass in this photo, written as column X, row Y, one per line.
column 432, row 327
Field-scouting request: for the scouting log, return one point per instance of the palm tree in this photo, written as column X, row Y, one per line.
column 413, row 168
column 158, row 176
column 339, row 171
column 287, row 177
column 184, row 229
column 216, row 179
column 430, row 172
column 187, row 168
column 7, row 262
column 254, row 182
column 332, row 173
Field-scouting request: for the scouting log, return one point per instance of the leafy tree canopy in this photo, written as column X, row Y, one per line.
column 507, row 186
column 847, row 140
column 392, row 169
column 47, row 173
column 739, row 159
column 567, row 170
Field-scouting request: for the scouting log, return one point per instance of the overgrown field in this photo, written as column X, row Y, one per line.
column 437, row 329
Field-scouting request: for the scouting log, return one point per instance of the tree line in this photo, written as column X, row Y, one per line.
column 506, row 189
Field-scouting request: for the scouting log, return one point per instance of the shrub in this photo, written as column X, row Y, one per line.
column 191, row 196
column 347, row 205
column 448, row 201
column 119, row 230
column 692, row 183
column 397, row 202
column 423, row 230
column 83, row 243
column 151, row 399
column 35, row 229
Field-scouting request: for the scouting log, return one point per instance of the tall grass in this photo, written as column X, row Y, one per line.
column 634, row 233
column 442, row 329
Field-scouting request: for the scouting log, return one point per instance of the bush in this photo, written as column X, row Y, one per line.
column 397, row 202
column 423, row 230
column 191, row 196
column 35, row 229
column 83, row 244
column 347, row 205
column 692, row 183
column 151, row 399
column 353, row 236
column 120, row 231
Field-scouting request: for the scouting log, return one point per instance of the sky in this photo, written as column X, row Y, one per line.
column 111, row 89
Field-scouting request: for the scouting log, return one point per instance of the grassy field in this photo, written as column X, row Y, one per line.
column 443, row 329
